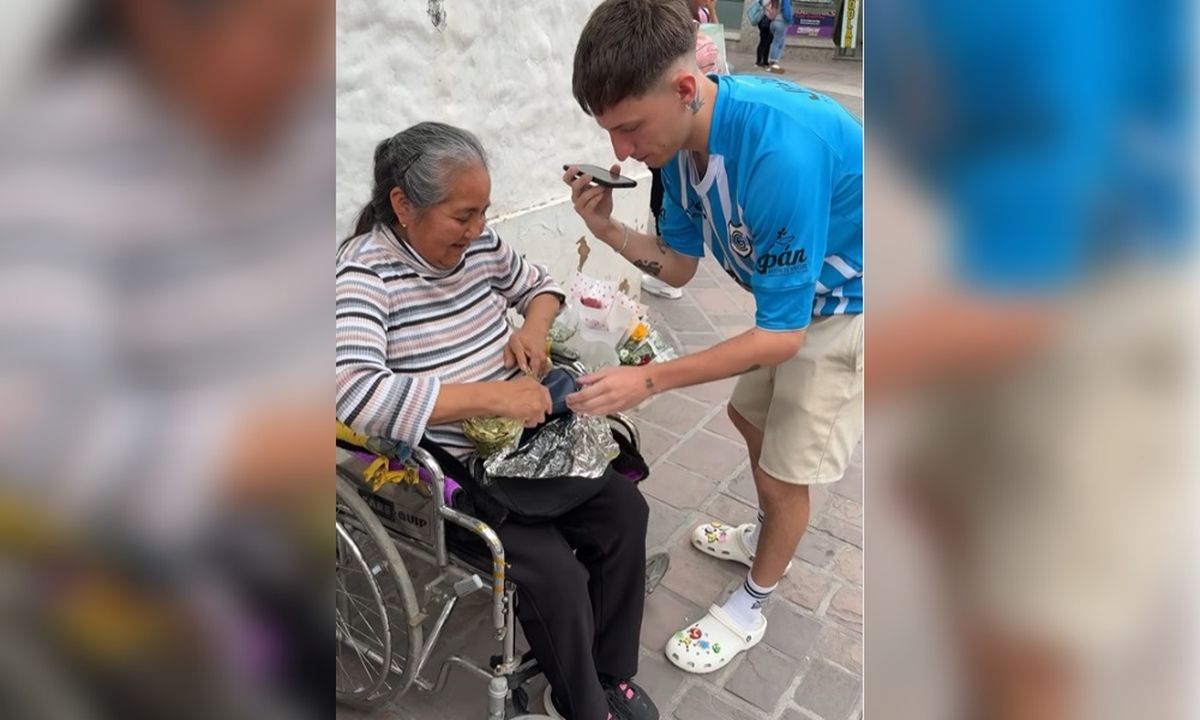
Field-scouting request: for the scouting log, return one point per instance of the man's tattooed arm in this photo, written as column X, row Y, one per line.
column 648, row 266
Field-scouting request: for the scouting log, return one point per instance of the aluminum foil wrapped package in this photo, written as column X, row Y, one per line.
column 492, row 434
column 570, row 445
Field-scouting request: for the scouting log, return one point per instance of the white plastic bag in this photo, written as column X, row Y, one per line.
column 606, row 314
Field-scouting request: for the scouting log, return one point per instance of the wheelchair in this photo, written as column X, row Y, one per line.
column 380, row 613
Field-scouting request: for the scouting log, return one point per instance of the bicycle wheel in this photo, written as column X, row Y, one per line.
column 379, row 636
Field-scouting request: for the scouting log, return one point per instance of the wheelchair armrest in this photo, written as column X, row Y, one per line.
column 352, row 440
column 631, row 431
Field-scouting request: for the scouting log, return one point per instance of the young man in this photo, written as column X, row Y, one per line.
column 767, row 177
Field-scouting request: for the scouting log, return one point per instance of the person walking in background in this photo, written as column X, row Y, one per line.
column 780, row 21
column 770, row 10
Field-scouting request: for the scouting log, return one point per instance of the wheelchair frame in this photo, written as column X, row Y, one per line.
column 506, row 673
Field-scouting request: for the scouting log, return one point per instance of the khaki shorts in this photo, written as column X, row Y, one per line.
column 810, row 407
column 1064, row 473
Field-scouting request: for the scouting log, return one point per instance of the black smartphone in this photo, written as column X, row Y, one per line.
column 604, row 178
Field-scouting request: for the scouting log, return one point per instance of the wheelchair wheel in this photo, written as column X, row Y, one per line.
column 656, row 568
column 376, row 614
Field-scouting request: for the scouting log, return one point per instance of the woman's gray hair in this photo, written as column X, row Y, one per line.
column 421, row 161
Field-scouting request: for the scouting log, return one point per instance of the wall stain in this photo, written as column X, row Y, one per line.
column 624, row 287
column 584, row 251
column 437, row 14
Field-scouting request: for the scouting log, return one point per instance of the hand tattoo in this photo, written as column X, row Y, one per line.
column 649, row 384
column 648, row 266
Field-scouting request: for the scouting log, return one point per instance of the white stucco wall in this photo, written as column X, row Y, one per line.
column 501, row 69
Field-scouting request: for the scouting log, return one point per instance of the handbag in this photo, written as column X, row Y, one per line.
column 755, row 12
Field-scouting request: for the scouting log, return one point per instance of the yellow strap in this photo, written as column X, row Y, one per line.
column 379, row 473
column 346, row 434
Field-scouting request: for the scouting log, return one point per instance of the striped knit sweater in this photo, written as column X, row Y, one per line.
column 405, row 327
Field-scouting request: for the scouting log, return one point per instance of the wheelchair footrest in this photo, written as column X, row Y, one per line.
column 468, row 585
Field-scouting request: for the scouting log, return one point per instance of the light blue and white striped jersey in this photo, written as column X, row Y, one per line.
column 780, row 205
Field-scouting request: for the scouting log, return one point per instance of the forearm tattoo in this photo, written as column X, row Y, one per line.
column 649, row 267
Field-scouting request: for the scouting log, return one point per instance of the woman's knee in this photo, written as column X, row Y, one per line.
column 563, row 581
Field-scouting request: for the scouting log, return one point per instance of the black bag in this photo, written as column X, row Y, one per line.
column 540, row 498
column 537, row 499
column 494, row 499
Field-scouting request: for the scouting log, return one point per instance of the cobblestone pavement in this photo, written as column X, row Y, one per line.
column 810, row 664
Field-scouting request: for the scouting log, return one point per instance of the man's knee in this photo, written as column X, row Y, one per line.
column 748, row 429
column 735, row 417
column 774, row 490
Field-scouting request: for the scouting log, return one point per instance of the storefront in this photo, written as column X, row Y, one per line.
column 813, row 19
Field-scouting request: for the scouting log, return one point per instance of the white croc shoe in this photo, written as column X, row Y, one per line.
column 710, row 643
column 726, row 542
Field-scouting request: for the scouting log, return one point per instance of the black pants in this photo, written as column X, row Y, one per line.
column 765, row 36
column 581, row 591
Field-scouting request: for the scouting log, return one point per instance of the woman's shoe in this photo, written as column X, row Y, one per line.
column 628, row 701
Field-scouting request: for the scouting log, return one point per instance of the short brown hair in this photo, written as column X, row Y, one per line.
column 626, row 46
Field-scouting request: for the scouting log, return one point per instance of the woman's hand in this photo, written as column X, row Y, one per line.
column 525, row 399
column 526, row 349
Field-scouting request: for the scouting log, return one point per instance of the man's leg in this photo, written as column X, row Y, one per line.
column 801, row 420
column 783, row 514
column 785, row 509
column 791, row 516
column 754, row 440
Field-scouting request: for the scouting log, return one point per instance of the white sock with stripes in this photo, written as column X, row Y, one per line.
column 752, row 538
column 745, row 604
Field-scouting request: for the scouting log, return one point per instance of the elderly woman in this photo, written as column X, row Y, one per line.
column 423, row 342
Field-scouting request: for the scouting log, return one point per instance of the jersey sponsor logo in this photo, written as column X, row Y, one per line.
column 739, row 239
column 784, row 259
